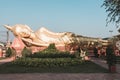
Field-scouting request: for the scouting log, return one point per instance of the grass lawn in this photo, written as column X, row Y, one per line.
column 85, row 67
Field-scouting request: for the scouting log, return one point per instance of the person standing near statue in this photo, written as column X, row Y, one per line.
column 111, row 58
column 95, row 51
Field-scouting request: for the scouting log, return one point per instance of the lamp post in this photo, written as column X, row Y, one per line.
column 111, row 32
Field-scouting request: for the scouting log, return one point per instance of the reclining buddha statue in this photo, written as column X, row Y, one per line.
column 41, row 37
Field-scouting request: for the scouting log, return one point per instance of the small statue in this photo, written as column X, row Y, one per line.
column 41, row 37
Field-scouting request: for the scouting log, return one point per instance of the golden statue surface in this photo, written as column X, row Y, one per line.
column 44, row 37
column 41, row 37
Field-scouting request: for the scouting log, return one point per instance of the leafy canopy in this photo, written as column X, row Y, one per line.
column 113, row 9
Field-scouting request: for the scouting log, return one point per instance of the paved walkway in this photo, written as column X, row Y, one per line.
column 103, row 63
column 60, row 76
column 64, row 76
column 7, row 60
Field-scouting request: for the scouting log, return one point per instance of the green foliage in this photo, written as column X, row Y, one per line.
column 113, row 9
column 50, row 57
column 26, row 52
column 49, row 54
column 51, row 48
column 9, row 52
column 47, row 62
column 85, row 67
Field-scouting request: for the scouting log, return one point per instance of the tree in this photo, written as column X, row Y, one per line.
column 113, row 9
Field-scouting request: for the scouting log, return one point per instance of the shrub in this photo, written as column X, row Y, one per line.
column 26, row 52
column 44, row 54
column 9, row 52
column 47, row 62
column 51, row 52
column 51, row 46
column 50, row 49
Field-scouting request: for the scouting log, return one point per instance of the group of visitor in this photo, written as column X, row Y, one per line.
column 101, row 51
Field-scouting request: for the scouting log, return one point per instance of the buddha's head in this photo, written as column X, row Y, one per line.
column 20, row 30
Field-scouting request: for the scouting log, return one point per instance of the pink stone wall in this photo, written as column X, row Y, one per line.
column 1, row 54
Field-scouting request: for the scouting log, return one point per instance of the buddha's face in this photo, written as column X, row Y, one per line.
column 22, row 32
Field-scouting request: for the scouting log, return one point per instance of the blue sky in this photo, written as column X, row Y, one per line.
column 83, row 17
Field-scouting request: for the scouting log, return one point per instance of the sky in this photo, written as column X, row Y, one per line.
column 82, row 17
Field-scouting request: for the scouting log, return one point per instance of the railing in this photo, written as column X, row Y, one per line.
column 117, row 59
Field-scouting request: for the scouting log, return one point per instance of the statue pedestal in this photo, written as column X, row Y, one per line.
column 18, row 46
column 36, row 48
